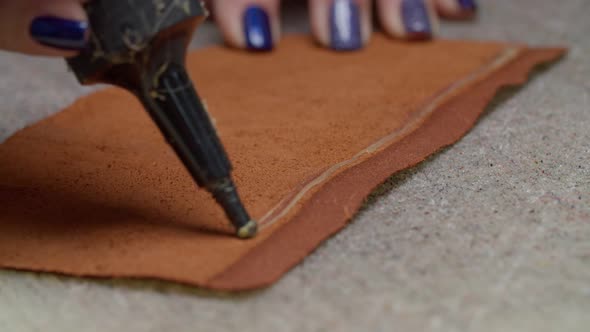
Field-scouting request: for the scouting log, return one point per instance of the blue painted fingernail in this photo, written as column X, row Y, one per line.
column 59, row 33
column 469, row 5
column 345, row 26
column 257, row 29
column 416, row 19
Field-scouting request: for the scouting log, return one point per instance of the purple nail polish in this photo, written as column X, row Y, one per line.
column 345, row 26
column 257, row 29
column 59, row 33
column 468, row 5
column 416, row 20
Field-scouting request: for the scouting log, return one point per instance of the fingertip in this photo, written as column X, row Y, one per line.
column 457, row 9
column 342, row 25
column 55, row 35
column 257, row 29
column 58, row 28
column 251, row 25
column 408, row 19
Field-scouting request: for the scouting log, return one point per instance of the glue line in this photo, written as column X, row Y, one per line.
column 418, row 118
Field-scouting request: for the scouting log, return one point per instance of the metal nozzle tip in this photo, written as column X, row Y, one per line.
column 249, row 230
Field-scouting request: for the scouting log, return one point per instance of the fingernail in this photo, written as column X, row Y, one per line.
column 468, row 5
column 345, row 26
column 416, row 19
column 59, row 33
column 257, row 29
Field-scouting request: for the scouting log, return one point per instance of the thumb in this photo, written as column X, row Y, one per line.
column 43, row 27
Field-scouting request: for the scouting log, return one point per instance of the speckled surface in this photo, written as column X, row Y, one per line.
column 492, row 234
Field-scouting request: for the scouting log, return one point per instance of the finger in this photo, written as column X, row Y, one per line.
column 40, row 27
column 343, row 25
column 249, row 24
column 408, row 19
column 457, row 9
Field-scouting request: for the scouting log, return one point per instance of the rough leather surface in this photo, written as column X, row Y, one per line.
column 95, row 191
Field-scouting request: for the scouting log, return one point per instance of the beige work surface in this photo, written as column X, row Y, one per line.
column 492, row 234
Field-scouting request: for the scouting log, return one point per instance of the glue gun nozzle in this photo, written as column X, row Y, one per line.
column 226, row 195
column 248, row 231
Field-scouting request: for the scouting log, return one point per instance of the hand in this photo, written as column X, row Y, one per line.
column 43, row 27
column 342, row 25
column 59, row 27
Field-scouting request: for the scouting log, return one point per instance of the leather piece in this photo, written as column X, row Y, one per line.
column 95, row 191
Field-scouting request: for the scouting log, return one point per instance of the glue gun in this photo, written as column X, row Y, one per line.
column 140, row 45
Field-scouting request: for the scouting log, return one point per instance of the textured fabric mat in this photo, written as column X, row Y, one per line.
column 95, row 190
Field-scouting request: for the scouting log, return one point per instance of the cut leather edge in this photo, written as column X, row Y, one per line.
column 281, row 210
column 327, row 211
column 323, row 214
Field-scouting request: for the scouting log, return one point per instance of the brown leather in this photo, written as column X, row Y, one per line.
column 95, row 190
